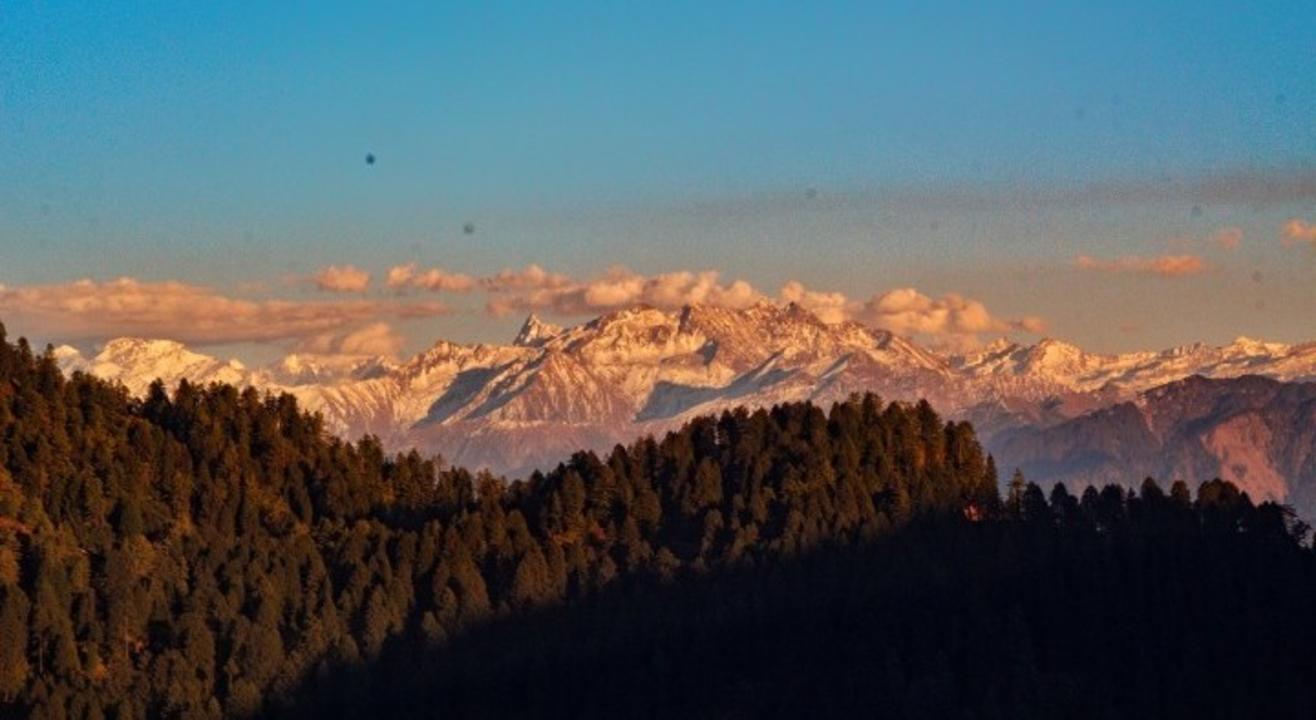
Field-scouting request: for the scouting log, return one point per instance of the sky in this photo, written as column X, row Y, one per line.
column 1129, row 176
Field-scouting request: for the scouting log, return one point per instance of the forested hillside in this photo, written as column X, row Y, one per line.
column 218, row 553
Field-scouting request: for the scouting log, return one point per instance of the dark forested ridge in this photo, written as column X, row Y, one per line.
column 217, row 553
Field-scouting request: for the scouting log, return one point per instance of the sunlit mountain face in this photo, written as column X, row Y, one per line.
column 528, row 404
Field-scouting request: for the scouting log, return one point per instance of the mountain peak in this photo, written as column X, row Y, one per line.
column 305, row 368
column 136, row 362
column 136, row 344
column 1252, row 346
column 1052, row 344
column 1056, row 354
column 70, row 359
column 642, row 369
column 535, row 332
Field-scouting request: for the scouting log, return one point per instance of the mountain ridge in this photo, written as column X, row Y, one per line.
column 512, row 408
column 1256, row 432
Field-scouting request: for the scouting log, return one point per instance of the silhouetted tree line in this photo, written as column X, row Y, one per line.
column 217, row 553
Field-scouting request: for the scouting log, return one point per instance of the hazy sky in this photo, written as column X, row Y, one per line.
column 1125, row 175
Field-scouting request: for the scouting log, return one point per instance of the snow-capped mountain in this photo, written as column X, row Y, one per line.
column 535, row 332
column 1051, row 367
column 137, row 363
column 311, row 368
column 514, row 407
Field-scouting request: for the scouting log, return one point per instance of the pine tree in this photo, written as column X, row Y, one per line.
column 14, row 666
column 1014, row 503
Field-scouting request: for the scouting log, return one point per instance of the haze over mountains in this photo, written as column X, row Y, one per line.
column 1052, row 408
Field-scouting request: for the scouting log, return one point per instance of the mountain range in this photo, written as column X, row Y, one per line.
column 1050, row 408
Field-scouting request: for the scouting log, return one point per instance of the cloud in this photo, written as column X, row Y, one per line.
column 408, row 277
column 1228, row 238
column 342, row 278
column 531, row 277
column 1299, row 231
column 90, row 310
column 615, row 289
column 377, row 338
column 830, row 307
column 1168, row 266
column 952, row 319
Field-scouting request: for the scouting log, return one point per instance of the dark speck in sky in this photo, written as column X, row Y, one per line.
column 469, row 228
column 811, row 193
column 370, row 158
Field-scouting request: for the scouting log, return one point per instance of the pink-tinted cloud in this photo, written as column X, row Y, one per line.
column 531, row 277
column 830, row 307
column 1297, row 231
column 1167, row 266
column 409, row 277
column 620, row 288
column 374, row 339
column 1228, row 238
column 90, row 310
column 952, row 319
column 342, row 278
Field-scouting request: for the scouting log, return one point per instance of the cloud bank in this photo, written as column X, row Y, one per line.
column 951, row 320
column 1166, row 266
column 90, row 310
column 617, row 288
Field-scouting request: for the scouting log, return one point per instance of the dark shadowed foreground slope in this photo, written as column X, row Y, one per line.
column 217, row 553
column 994, row 620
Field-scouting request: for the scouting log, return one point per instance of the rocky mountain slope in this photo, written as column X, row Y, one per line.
column 511, row 408
column 1256, row 432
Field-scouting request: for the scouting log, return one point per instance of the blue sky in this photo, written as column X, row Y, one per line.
column 851, row 147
